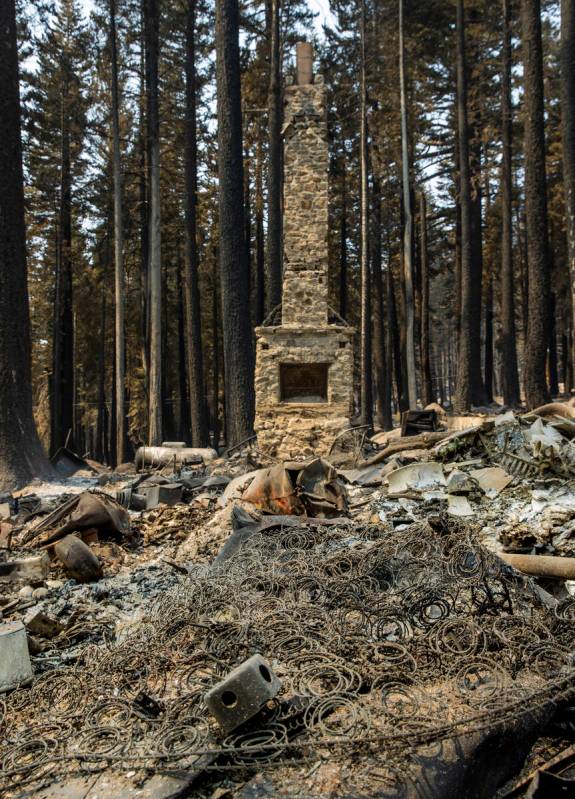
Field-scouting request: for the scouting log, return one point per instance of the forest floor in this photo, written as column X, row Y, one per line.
column 401, row 640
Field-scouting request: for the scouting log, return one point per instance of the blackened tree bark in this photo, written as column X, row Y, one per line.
column 235, row 279
column 215, row 362
column 343, row 288
column 408, row 229
column 194, row 357
column 489, row 338
column 538, row 263
column 120, row 353
column 101, row 448
column 510, row 377
column 394, row 346
column 63, row 333
column 259, row 276
column 552, row 353
column 464, row 387
column 382, row 382
column 274, row 243
column 21, row 454
column 143, row 212
column 184, row 428
column 567, row 77
column 478, row 391
column 426, row 382
column 366, row 404
column 155, row 425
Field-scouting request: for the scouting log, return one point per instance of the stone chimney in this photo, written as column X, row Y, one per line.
column 305, row 220
column 304, row 366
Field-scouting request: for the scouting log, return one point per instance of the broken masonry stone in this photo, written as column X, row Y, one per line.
column 243, row 693
column 15, row 666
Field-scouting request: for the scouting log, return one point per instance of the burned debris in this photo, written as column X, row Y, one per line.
column 299, row 627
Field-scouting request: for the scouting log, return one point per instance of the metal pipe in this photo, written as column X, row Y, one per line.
column 541, row 565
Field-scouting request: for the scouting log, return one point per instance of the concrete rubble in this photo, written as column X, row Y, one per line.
column 369, row 585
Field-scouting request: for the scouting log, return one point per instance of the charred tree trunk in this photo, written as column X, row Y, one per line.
column 101, row 417
column 21, row 454
column 193, row 337
column 184, row 430
column 489, row 338
column 155, row 425
column 235, row 279
column 567, row 77
column 510, row 377
column 215, row 364
column 260, row 296
column 478, row 390
column 382, row 382
column 538, row 262
column 426, row 382
column 120, row 353
column 275, row 163
column 366, row 405
column 144, row 220
column 395, row 339
column 408, row 229
column 63, row 344
column 552, row 356
column 343, row 288
column 464, row 388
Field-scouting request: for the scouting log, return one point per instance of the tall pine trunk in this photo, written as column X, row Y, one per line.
column 426, row 382
column 408, row 229
column 343, row 287
column 63, row 334
column 259, row 276
column 567, row 77
column 143, row 212
column 235, row 278
column 464, row 387
column 366, row 406
column 120, row 353
column 194, row 356
column 382, row 382
column 478, row 391
column 538, row 262
column 101, row 448
column 275, row 163
column 155, row 427
column 510, row 377
column 21, row 455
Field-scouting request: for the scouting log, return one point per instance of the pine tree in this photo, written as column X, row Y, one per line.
column 235, row 282
column 21, row 455
column 538, row 263
column 510, row 377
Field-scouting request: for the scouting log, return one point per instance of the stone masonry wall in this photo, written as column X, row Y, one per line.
column 305, row 220
column 299, row 430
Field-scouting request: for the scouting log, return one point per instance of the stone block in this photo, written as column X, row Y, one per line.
column 244, row 692
column 15, row 666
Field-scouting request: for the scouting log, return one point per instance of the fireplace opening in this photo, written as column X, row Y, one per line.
column 303, row 382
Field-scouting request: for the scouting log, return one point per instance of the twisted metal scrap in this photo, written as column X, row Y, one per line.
column 384, row 642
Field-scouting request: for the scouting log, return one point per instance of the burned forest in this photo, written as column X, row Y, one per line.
column 287, row 399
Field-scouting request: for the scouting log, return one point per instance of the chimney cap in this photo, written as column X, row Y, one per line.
column 304, row 63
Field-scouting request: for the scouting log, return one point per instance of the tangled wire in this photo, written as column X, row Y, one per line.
column 384, row 642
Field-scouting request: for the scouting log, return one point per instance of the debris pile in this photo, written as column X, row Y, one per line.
column 386, row 643
column 309, row 629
